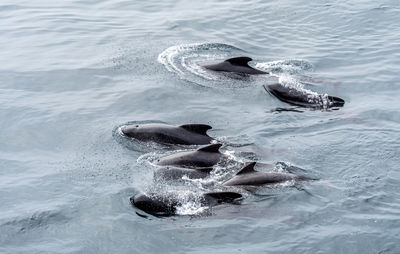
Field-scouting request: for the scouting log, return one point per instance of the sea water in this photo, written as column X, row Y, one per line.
column 73, row 72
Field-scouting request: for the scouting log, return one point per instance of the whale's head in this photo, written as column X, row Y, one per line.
column 152, row 204
column 145, row 132
column 131, row 131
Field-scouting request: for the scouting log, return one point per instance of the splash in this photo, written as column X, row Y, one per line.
column 191, row 208
column 315, row 98
column 291, row 66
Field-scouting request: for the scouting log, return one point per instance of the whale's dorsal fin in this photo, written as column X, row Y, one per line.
column 214, row 148
column 248, row 169
column 205, row 170
column 223, row 196
column 197, row 128
column 240, row 61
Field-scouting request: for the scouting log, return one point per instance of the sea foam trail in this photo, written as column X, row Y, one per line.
column 185, row 61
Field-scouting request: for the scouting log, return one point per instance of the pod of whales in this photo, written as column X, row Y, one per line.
column 206, row 156
column 159, row 205
column 175, row 173
column 194, row 164
column 237, row 64
column 300, row 98
column 197, row 164
column 250, row 177
column 188, row 134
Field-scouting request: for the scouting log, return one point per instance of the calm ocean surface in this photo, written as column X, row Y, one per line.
column 72, row 72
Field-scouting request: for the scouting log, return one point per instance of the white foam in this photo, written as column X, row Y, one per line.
column 190, row 208
column 184, row 60
column 291, row 66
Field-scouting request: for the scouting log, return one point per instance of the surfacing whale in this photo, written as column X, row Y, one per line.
column 236, row 64
column 187, row 134
column 301, row 98
column 250, row 177
column 175, row 173
column 203, row 157
column 162, row 205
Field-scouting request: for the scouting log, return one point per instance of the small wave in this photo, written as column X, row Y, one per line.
column 36, row 220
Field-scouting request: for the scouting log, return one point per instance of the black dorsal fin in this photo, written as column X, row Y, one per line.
column 248, row 169
column 223, row 196
column 214, row 148
column 240, row 61
column 197, row 128
column 205, row 170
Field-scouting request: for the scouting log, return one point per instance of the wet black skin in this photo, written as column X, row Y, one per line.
column 188, row 134
column 155, row 205
column 175, row 173
column 159, row 205
column 250, row 177
column 203, row 157
column 300, row 98
column 237, row 65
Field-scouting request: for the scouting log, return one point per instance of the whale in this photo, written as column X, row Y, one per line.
column 302, row 98
column 174, row 173
column 166, row 205
column 206, row 156
column 187, row 134
column 248, row 176
column 237, row 65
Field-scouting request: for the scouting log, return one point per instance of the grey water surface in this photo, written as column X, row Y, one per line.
column 71, row 72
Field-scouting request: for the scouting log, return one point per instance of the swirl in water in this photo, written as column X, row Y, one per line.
column 184, row 60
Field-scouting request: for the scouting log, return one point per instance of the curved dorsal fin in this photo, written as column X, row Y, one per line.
column 205, row 170
column 197, row 128
column 214, row 148
column 248, row 169
column 241, row 61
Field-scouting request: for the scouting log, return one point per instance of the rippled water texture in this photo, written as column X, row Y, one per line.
column 73, row 72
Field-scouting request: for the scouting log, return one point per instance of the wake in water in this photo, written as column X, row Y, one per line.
column 185, row 61
column 188, row 62
column 179, row 59
column 291, row 67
